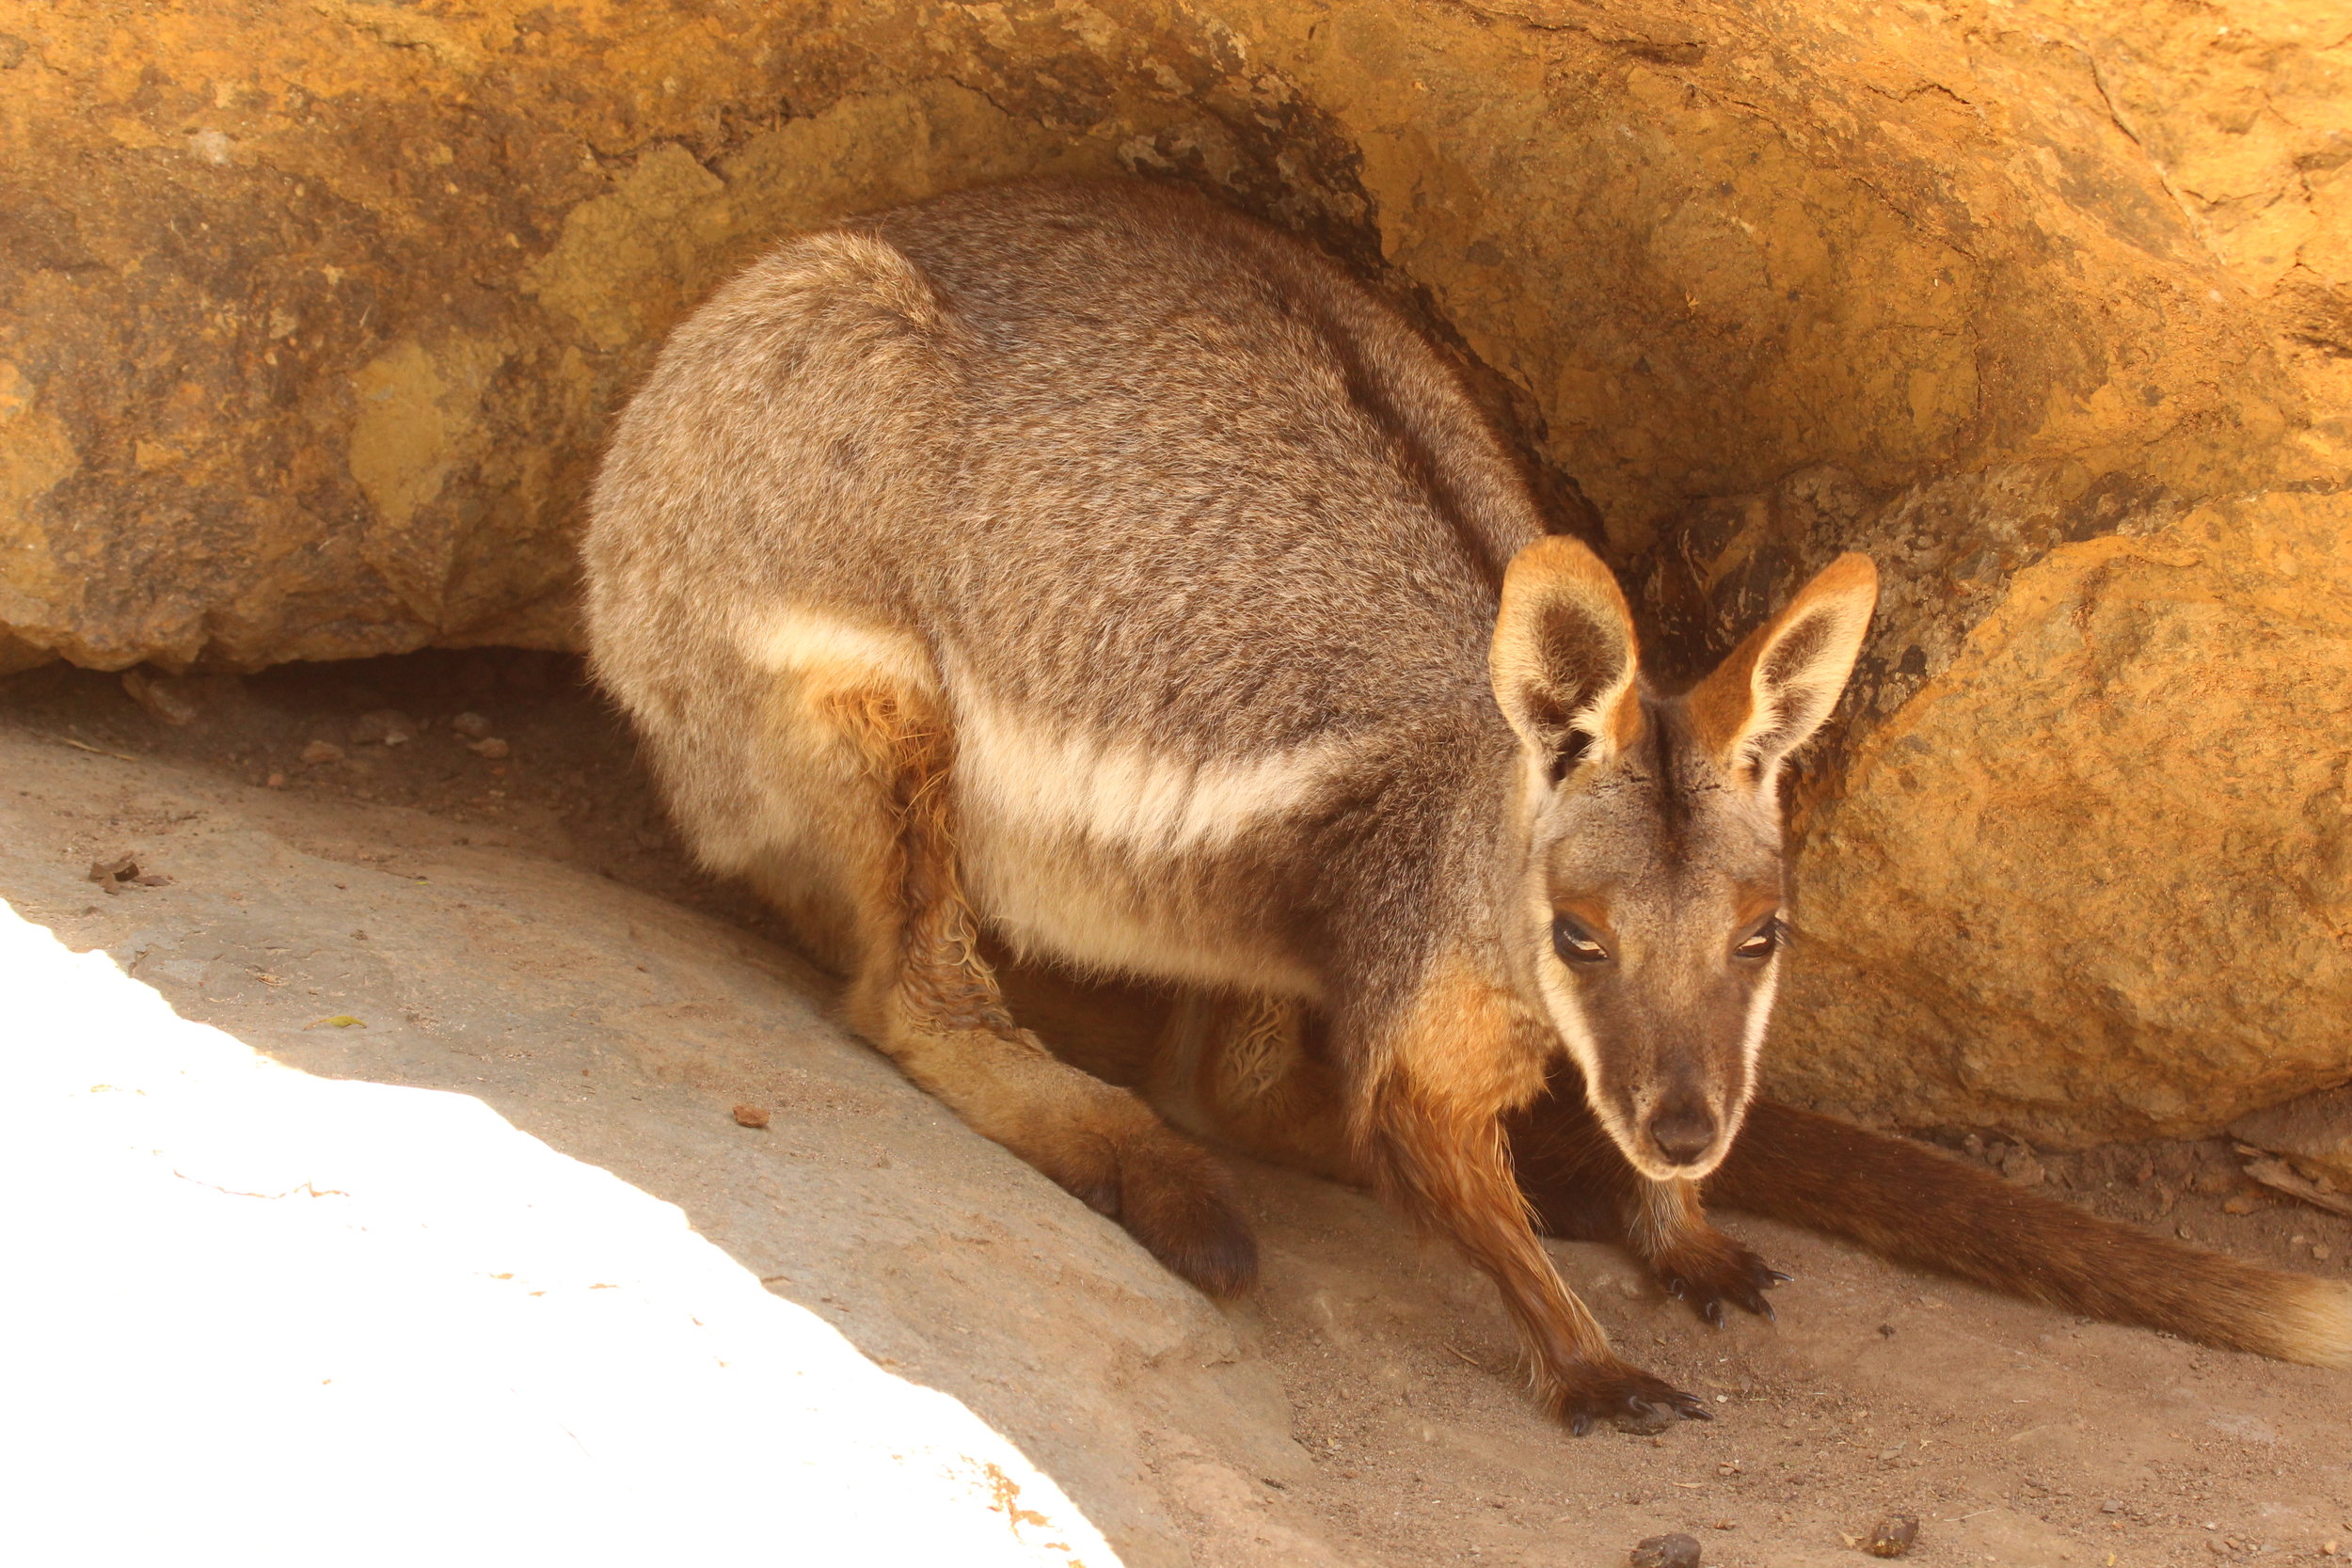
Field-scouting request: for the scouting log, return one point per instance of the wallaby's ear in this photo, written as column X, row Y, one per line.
column 1563, row 659
column 1764, row 701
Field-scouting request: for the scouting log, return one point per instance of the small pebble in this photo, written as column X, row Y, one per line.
column 472, row 726
column 386, row 726
column 2113, row 1505
column 1666, row 1551
column 750, row 1116
column 490, row 746
column 322, row 750
column 166, row 698
column 1893, row 1536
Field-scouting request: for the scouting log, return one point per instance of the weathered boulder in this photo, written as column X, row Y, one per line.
column 312, row 312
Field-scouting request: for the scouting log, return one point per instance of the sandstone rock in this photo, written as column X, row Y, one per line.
column 312, row 312
column 907, row 1253
column 398, row 1295
column 2094, row 878
column 413, row 258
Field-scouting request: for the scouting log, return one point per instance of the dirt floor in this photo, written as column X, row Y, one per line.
column 2014, row 1434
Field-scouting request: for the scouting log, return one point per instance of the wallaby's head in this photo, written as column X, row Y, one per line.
column 1650, row 909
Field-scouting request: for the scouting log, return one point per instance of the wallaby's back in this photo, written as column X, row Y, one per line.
column 1164, row 506
column 1125, row 457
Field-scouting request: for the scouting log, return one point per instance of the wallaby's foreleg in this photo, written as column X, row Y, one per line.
column 925, row 996
column 1583, row 1190
column 1429, row 1127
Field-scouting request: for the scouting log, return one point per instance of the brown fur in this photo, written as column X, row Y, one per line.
column 1083, row 571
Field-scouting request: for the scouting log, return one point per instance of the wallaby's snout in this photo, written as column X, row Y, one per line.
column 1682, row 1131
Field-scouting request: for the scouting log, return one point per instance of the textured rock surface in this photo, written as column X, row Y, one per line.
column 621, row 1030
column 312, row 310
column 441, row 1269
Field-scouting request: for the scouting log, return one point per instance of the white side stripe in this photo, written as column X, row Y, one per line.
column 1024, row 777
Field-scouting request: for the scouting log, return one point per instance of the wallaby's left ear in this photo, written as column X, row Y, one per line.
column 1764, row 701
column 1562, row 658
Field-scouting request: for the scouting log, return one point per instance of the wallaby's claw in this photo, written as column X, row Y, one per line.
column 1626, row 1396
column 1724, row 1271
column 1779, row 1279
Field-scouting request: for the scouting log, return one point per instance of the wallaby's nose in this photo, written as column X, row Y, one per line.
column 1682, row 1131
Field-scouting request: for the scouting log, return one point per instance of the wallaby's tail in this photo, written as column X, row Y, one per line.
column 1916, row 1206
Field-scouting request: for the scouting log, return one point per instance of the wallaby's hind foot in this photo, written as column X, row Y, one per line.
column 1100, row 1144
column 926, row 997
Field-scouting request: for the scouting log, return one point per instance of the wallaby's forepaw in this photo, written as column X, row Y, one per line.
column 1613, row 1391
column 1716, row 1269
column 1172, row 1196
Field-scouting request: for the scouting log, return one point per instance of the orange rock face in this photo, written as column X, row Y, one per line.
column 312, row 312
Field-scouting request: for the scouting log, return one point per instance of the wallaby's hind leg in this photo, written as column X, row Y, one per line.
column 1246, row 1069
column 1583, row 1190
column 922, row 993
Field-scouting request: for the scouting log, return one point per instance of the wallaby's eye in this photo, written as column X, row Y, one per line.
column 1761, row 942
column 1574, row 944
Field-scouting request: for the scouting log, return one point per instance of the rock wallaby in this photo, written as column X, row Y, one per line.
column 1085, row 573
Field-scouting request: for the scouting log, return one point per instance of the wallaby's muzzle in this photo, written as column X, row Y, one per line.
column 1682, row 1133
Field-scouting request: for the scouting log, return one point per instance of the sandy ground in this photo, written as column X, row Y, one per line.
column 1358, row 1409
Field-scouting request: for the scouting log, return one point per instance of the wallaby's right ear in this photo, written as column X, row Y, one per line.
column 1563, row 659
column 1773, row 691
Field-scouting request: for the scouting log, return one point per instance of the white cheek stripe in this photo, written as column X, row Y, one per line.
column 1017, row 776
column 1568, row 1017
column 1759, row 1018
